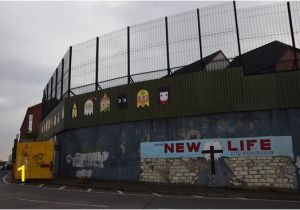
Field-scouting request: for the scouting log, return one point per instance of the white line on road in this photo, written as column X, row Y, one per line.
column 170, row 196
column 4, row 179
column 61, row 188
column 156, row 194
column 120, row 192
column 62, row 203
column 41, row 185
column 89, row 190
column 197, row 196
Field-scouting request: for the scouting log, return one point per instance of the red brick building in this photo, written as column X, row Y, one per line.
column 31, row 122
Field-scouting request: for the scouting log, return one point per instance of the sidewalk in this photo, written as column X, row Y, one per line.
column 167, row 189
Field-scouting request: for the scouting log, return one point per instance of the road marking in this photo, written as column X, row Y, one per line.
column 197, row 196
column 168, row 196
column 156, row 194
column 62, row 203
column 120, row 192
column 89, row 190
column 4, row 179
column 61, row 188
column 41, row 185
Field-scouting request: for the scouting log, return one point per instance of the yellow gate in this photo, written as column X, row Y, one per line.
column 37, row 157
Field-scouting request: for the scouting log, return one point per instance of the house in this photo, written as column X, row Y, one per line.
column 272, row 57
column 31, row 122
column 211, row 62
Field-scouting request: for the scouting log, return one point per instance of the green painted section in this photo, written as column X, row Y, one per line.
column 192, row 94
column 53, row 123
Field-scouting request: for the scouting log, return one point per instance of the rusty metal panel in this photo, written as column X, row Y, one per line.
column 37, row 157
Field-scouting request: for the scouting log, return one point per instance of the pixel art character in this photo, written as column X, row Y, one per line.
column 74, row 111
column 105, row 104
column 89, row 106
column 164, row 96
column 122, row 101
column 143, row 99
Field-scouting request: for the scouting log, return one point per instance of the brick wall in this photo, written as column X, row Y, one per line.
column 272, row 172
column 36, row 112
column 247, row 172
column 170, row 170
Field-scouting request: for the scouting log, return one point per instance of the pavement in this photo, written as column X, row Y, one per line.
column 167, row 189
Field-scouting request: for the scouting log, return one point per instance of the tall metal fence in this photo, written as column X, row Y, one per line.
column 158, row 48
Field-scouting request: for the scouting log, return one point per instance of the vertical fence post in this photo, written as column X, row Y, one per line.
column 292, row 36
column 97, row 58
column 167, row 42
column 62, row 79
column 128, row 55
column 47, row 94
column 44, row 96
column 237, row 34
column 56, row 77
column 199, row 33
column 51, row 87
column 69, row 81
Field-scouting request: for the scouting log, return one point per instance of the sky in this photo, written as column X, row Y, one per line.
column 35, row 36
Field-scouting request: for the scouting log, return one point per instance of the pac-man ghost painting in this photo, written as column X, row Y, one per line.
column 74, row 111
column 143, row 99
column 89, row 106
column 122, row 101
column 105, row 104
column 164, row 95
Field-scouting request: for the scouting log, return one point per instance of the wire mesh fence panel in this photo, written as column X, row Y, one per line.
column 83, row 89
column 113, row 82
column 149, row 75
column 49, row 89
column 53, row 84
column 261, row 25
column 45, row 93
column 183, row 33
column 218, row 30
column 295, row 13
column 83, row 65
column 66, row 73
column 148, row 47
column 59, row 71
column 112, row 62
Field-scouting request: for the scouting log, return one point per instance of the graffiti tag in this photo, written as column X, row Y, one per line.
column 94, row 159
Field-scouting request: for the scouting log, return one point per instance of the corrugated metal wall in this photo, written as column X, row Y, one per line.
column 192, row 94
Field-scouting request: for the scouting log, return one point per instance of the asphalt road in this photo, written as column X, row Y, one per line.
column 40, row 196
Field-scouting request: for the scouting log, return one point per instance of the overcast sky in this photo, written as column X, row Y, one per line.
column 35, row 36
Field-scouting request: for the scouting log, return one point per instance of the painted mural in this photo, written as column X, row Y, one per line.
column 105, row 103
column 143, row 99
column 37, row 157
column 265, row 162
column 74, row 111
column 89, row 106
column 122, row 101
column 227, row 147
column 164, row 95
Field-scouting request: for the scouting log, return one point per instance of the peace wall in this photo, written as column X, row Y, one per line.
column 101, row 134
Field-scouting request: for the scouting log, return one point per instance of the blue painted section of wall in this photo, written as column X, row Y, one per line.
column 279, row 146
column 122, row 141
